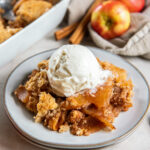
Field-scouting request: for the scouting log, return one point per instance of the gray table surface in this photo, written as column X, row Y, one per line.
column 9, row 138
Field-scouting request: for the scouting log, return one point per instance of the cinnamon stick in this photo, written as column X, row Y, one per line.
column 64, row 32
column 79, row 39
column 79, row 32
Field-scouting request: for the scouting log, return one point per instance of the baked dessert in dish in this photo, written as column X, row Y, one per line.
column 6, row 31
column 25, row 11
column 75, row 91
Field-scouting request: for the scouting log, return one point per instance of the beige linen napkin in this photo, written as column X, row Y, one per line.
column 135, row 42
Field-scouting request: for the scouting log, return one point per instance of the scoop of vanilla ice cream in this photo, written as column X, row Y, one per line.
column 73, row 68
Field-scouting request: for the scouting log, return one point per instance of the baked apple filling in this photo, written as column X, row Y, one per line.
column 75, row 91
column 85, row 112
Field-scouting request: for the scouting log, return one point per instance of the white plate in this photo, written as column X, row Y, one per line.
column 125, row 123
column 33, row 32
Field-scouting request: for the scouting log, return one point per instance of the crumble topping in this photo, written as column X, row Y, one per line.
column 82, row 113
column 46, row 103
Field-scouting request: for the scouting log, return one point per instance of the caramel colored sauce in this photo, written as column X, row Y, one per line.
column 100, row 96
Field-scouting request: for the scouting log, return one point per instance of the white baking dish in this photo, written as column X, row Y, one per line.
column 32, row 33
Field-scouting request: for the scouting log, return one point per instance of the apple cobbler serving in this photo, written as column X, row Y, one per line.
column 25, row 11
column 75, row 91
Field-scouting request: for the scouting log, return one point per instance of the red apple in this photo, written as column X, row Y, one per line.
column 134, row 5
column 110, row 19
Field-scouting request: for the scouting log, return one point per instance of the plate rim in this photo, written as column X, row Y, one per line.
column 98, row 145
column 46, row 147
